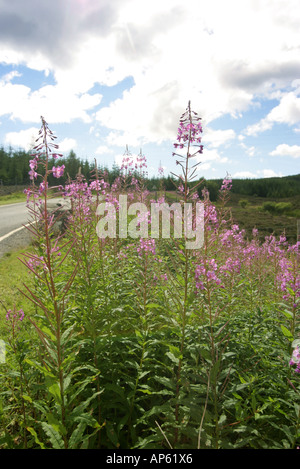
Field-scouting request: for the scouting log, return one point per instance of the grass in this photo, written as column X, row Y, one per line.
column 253, row 215
column 12, row 275
column 16, row 197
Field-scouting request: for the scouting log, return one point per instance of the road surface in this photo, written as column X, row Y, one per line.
column 13, row 217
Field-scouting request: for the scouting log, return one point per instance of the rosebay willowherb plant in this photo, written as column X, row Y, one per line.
column 138, row 341
column 62, row 419
column 179, row 264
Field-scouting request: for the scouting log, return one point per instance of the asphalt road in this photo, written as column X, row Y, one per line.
column 12, row 217
column 12, row 233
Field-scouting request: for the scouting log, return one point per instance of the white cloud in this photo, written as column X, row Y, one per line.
column 10, row 76
column 102, row 150
column 67, row 144
column 24, row 139
column 56, row 103
column 249, row 150
column 161, row 91
column 261, row 126
column 53, row 31
column 286, row 150
column 217, row 138
column 212, row 155
column 150, row 42
column 209, row 159
column 244, row 174
column 264, row 173
column 287, row 112
column 268, row 173
column 204, row 167
column 226, row 57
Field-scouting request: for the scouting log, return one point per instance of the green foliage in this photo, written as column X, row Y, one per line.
column 275, row 187
column 122, row 347
column 277, row 208
column 14, row 171
column 243, row 203
column 125, row 347
column 14, row 167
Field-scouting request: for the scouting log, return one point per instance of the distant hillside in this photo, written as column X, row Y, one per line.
column 14, row 167
column 256, row 212
column 277, row 187
column 287, row 186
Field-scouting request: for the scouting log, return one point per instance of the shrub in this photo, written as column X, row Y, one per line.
column 275, row 208
column 282, row 207
column 269, row 207
column 243, row 203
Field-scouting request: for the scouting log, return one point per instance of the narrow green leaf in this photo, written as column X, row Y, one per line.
column 222, row 419
column 49, row 333
column 172, row 358
column 76, row 437
column 55, row 438
column 111, row 434
column 36, row 439
column 88, row 420
column 39, row 367
column 286, row 332
column 55, row 392
column 153, row 306
column 26, row 398
column 66, row 335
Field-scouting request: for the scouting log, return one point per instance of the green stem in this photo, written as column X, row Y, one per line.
column 185, row 297
column 57, row 309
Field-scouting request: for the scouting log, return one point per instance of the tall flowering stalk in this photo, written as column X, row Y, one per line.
column 51, row 298
column 189, row 145
column 211, row 276
column 86, row 253
column 45, row 271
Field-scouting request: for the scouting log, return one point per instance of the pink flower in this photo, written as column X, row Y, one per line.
column 13, row 315
column 295, row 360
column 146, row 245
column 32, row 174
column 227, row 184
column 42, row 187
column 33, row 164
column 58, row 171
column 207, row 273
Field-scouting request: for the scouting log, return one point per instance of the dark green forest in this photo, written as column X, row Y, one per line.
column 14, row 167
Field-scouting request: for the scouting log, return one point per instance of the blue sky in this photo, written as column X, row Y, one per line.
column 110, row 73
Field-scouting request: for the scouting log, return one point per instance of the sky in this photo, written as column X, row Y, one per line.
column 106, row 74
